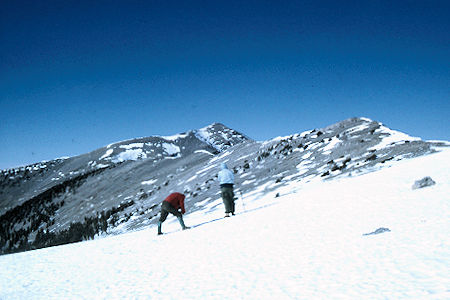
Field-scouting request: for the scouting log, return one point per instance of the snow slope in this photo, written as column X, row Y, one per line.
column 308, row 243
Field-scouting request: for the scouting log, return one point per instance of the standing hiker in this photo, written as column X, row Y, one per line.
column 174, row 204
column 226, row 180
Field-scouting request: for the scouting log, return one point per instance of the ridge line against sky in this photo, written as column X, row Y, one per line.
column 77, row 75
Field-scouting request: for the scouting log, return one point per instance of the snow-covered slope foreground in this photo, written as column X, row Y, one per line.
column 308, row 243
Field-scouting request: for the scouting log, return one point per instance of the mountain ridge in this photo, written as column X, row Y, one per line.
column 123, row 183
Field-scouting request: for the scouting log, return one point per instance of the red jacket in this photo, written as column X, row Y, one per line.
column 177, row 201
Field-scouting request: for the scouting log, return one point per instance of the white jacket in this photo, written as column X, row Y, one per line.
column 225, row 175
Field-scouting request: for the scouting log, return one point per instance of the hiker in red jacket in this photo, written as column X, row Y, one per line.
column 174, row 204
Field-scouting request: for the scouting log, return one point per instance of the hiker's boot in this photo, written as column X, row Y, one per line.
column 159, row 228
column 227, row 215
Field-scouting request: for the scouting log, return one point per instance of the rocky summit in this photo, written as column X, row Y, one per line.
column 119, row 187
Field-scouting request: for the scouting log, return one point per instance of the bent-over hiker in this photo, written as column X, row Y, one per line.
column 226, row 180
column 174, row 204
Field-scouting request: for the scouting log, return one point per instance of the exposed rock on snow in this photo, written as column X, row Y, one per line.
column 378, row 231
column 424, row 182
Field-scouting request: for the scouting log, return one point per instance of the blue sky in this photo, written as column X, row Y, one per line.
column 78, row 75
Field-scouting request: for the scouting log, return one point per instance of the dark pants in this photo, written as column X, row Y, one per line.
column 166, row 208
column 228, row 198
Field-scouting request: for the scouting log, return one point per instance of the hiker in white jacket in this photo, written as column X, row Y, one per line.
column 226, row 180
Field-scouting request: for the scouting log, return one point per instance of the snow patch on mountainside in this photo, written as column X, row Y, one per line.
column 132, row 154
column 171, row 149
column 174, row 137
column 132, row 146
column 204, row 135
column 149, row 182
column 329, row 147
column 203, row 151
column 107, row 154
column 392, row 137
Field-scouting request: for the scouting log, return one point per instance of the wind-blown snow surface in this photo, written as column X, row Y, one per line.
column 306, row 244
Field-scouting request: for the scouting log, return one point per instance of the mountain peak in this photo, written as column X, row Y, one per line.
column 220, row 136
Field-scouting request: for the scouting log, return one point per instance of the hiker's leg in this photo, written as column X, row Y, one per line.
column 159, row 227
column 164, row 214
column 226, row 199
column 180, row 219
column 162, row 218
